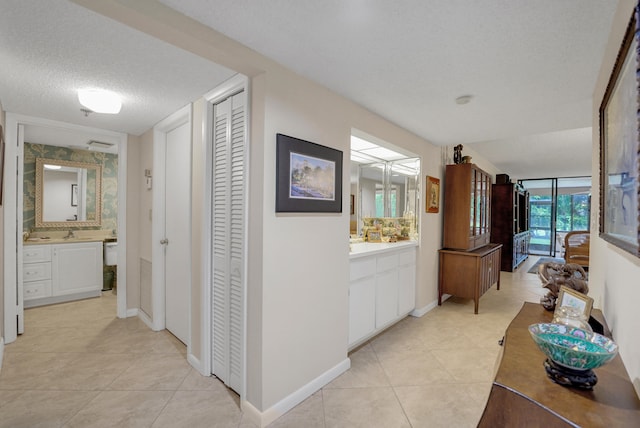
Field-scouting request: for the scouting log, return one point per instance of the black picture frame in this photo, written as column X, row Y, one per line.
column 314, row 187
column 620, row 149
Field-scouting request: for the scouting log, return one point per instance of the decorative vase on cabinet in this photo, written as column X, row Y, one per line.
column 469, row 263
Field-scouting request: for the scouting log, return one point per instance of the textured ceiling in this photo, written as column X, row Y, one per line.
column 531, row 66
column 51, row 48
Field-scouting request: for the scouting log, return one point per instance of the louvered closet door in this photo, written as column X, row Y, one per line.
column 228, row 240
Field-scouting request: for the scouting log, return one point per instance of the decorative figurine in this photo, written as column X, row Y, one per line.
column 457, row 154
column 553, row 275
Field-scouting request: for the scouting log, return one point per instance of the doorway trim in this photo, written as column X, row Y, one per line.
column 158, row 289
column 13, row 213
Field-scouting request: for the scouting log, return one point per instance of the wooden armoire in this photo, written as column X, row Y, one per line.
column 469, row 263
column 510, row 223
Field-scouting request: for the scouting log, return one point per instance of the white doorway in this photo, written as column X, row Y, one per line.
column 13, row 209
column 171, row 251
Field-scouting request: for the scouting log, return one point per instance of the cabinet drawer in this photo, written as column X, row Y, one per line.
column 36, row 272
column 36, row 290
column 361, row 268
column 36, row 253
column 386, row 262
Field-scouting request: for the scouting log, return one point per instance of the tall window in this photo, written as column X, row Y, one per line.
column 573, row 212
column 393, row 200
column 556, row 206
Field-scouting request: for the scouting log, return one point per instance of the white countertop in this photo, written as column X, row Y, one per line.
column 362, row 249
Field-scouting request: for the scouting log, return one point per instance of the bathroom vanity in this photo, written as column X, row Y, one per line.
column 61, row 270
column 382, row 287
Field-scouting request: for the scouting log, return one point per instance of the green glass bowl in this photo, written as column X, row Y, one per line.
column 573, row 347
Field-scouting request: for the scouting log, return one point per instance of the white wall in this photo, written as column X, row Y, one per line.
column 613, row 274
column 134, row 234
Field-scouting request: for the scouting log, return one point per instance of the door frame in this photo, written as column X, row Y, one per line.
column 228, row 88
column 158, row 289
column 13, row 213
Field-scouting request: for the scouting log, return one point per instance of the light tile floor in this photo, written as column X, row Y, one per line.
column 79, row 366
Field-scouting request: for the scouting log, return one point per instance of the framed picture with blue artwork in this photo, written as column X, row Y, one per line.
column 308, row 176
column 620, row 149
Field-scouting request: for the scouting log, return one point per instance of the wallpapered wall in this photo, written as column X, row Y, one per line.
column 109, row 164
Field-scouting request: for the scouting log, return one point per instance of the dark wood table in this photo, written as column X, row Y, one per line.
column 523, row 396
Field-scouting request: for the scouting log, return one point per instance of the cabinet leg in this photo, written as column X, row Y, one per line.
column 475, row 304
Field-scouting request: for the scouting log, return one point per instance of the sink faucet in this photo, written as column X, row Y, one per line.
column 70, row 235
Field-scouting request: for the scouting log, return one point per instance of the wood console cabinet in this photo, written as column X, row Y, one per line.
column 469, row 264
column 510, row 223
column 523, row 396
column 469, row 274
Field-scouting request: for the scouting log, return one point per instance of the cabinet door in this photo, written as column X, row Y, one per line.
column 77, row 268
column 406, row 289
column 362, row 303
column 386, row 297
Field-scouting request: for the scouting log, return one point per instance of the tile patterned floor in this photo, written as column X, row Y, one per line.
column 79, row 366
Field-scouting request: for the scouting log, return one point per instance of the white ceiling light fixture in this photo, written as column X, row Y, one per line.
column 47, row 166
column 100, row 101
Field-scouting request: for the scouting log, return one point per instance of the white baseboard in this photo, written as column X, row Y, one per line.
column 132, row 312
column 1, row 351
column 419, row 312
column 145, row 319
column 262, row 419
column 196, row 364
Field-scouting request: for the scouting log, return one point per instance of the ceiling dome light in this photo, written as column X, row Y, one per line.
column 100, row 101
column 464, row 99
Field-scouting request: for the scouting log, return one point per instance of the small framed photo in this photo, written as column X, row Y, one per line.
column 570, row 297
column 374, row 236
column 432, row 198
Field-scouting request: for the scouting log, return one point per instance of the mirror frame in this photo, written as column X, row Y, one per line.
column 39, row 187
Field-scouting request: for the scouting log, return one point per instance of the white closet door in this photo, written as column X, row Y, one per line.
column 178, row 231
column 229, row 183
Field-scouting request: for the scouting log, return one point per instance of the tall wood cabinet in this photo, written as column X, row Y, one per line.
column 467, row 207
column 510, row 223
column 469, row 264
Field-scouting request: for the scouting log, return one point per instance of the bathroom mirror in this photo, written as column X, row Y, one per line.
column 68, row 193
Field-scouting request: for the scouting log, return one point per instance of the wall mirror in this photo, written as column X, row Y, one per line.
column 385, row 181
column 68, row 193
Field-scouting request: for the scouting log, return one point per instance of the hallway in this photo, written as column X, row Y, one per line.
column 78, row 366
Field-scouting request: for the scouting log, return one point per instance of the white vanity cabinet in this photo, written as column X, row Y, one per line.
column 54, row 273
column 381, row 291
